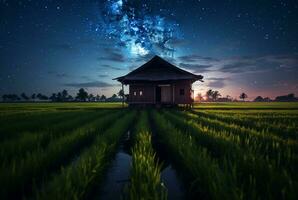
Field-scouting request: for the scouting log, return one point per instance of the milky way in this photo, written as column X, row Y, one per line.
column 136, row 28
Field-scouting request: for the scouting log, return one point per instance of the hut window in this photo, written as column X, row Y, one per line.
column 181, row 91
column 141, row 93
column 134, row 93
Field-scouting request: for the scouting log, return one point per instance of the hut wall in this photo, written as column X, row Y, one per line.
column 141, row 93
column 182, row 92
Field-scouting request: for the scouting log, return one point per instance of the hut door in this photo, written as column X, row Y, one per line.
column 158, row 94
column 166, row 94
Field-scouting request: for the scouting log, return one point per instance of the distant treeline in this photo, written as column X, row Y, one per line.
column 215, row 96
column 63, row 96
column 83, row 96
column 286, row 98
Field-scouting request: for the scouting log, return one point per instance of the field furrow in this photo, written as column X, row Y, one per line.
column 16, row 148
column 263, row 126
column 18, row 175
column 76, row 180
column 145, row 180
column 103, row 151
column 234, row 159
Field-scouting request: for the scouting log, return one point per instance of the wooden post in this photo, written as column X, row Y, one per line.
column 122, row 95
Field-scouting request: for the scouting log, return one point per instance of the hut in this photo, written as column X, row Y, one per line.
column 158, row 82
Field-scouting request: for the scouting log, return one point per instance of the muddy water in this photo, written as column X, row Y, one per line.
column 168, row 174
column 117, row 177
column 169, row 178
column 119, row 173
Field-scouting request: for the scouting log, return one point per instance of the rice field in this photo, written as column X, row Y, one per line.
column 104, row 151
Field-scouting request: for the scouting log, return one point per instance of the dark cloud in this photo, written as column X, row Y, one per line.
column 217, row 79
column 133, row 67
column 197, row 58
column 197, row 68
column 217, row 82
column 260, row 64
column 100, row 84
column 105, row 66
column 103, row 75
column 112, row 55
column 88, row 78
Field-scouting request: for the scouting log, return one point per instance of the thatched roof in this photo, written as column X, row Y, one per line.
column 157, row 69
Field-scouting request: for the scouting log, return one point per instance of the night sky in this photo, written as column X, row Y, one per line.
column 238, row 46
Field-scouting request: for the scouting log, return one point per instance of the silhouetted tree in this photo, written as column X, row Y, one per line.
column 259, row 99
column 33, row 96
column 215, row 95
column 289, row 97
column 90, row 97
column 10, row 97
column 114, row 96
column 5, row 97
column 64, row 95
column 41, row 96
column 82, row 95
column 24, row 96
column 209, row 94
column 267, row 99
column 59, row 96
column 243, row 96
column 97, row 98
column 53, row 97
column 103, row 98
column 70, row 98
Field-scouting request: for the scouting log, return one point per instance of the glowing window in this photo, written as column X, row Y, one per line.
column 141, row 93
column 135, row 93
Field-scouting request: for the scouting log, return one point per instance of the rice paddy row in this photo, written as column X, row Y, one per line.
column 218, row 154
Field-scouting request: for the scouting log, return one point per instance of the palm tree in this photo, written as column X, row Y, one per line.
column 243, row 96
column 209, row 94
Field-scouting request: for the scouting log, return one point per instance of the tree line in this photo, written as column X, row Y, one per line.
column 215, row 96
column 63, row 96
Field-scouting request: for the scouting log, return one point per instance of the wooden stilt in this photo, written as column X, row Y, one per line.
column 122, row 96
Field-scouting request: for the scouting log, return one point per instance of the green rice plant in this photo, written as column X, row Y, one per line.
column 246, row 135
column 18, row 147
column 246, row 165
column 76, row 180
column 145, row 180
column 261, row 143
column 16, row 125
column 16, row 177
column 202, row 173
column 282, row 132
